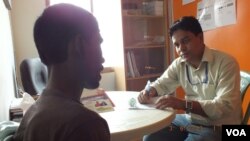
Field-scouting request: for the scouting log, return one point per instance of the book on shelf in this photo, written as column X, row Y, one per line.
column 132, row 66
column 97, row 100
column 135, row 67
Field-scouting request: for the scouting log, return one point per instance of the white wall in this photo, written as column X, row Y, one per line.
column 108, row 14
column 7, row 77
column 23, row 16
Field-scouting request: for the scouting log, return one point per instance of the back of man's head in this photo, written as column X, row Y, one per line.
column 187, row 23
column 55, row 28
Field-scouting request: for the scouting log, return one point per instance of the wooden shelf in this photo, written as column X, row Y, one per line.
column 145, row 46
column 144, row 17
column 146, row 76
column 145, row 42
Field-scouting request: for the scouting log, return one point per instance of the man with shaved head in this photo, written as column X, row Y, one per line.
column 68, row 41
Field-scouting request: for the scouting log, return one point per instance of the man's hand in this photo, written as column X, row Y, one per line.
column 144, row 97
column 170, row 101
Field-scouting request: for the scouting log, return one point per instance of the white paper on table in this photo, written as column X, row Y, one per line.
column 150, row 106
column 138, row 106
column 23, row 103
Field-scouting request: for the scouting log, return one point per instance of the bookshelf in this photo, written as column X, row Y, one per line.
column 145, row 41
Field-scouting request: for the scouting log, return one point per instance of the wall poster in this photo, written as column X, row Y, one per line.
column 216, row 13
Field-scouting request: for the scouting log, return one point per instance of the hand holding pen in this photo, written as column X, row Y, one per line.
column 144, row 96
column 147, row 87
column 150, row 91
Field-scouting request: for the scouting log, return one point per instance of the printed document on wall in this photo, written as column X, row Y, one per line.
column 184, row 2
column 205, row 14
column 225, row 12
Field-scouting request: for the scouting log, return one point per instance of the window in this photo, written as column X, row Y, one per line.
column 86, row 4
column 108, row 14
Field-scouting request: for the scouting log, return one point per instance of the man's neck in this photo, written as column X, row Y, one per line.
column 60, row 80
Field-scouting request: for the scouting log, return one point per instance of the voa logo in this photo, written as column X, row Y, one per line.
column 240, row 132
column 236, row 132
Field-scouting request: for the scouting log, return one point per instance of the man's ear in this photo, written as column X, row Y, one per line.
column 78, row 43
column 200, row 35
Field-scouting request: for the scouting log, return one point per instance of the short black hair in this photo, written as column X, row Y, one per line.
column 187, row 23
column 55, row 28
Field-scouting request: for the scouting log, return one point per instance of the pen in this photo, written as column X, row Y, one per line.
column 147, row 87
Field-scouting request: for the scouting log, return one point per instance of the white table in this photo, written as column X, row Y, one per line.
column 126, row 124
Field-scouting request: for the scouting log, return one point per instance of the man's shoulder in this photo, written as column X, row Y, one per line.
column 222, row 55
column 52, row 122
column 177, row 63
column 59, row 114
column 63, row 109
column 218, row 52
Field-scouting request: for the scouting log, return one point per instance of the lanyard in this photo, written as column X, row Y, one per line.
column 203, row 81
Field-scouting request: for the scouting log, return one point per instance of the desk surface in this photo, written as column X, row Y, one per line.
column 126, row 124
